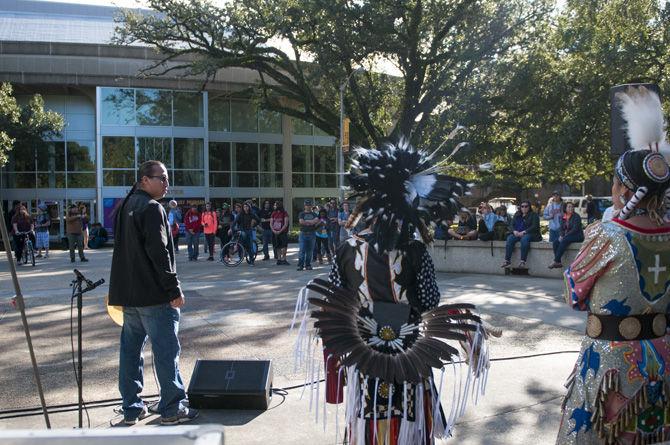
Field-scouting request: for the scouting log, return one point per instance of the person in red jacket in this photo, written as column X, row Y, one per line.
column 193, row 225
column 209, row 224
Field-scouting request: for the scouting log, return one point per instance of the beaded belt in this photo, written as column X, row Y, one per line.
column 627, row 328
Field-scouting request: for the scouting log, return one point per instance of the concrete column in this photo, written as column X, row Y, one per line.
column 287, row 167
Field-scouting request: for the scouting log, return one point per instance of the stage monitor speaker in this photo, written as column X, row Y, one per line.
column 231, row 384
column 618, row 136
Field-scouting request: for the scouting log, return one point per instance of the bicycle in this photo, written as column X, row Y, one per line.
column 234, row 252
column 28, row 249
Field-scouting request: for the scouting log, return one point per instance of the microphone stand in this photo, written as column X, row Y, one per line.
column 77, row 293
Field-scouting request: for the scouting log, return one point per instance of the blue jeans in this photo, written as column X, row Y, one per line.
column 160, row 324
column 525, row 246
column 247, row 240
column 333, row 239
column 267, row 240
column 193, row 243
column 561, row 246
column 306, row 242
column 554, row 235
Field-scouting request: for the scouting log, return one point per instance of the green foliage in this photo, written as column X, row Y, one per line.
column 24, row 126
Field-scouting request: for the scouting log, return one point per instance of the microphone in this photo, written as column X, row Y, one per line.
column 81, row 277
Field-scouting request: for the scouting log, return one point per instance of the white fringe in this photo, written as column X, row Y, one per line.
column 374, row 410
column 420, row 415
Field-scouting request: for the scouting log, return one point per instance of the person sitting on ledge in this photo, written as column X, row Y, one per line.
column 488, row 221
column 525, row 228
column 570, row 232
column 467, row 227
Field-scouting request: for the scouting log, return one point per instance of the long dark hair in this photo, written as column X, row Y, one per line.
column 146, row 169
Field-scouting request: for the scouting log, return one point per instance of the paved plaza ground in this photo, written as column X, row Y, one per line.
column 244, row 313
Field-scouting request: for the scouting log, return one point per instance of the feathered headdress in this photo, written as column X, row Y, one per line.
column 644, row 169
column 399, row 185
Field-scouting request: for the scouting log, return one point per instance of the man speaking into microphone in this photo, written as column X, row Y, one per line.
column 143, row 280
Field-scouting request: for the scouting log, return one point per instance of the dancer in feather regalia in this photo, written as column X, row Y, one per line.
column 377, row 324
column 618, row 392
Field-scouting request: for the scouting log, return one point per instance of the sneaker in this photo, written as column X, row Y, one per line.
column 142, row 415
column 505, row 264
column 39, row 255
column 84, row 260
column 46, row 255
column 72, row 260
column 183, row 415
column 308, row 267
column 300, row 269
column 210, row 258
column 266, row 257
column 285, row 263
column 279, row 263
column 522, row 265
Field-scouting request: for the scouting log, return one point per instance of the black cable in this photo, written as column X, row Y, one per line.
column 282, row 392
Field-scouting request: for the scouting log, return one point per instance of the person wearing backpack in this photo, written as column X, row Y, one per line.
column 485, row 230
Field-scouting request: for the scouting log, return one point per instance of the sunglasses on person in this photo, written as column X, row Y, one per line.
column 524, row 205
column 163, row 179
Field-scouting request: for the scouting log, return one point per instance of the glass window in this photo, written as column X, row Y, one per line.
column 244, row 117
column 80, row 180
column 301, row 127
column 270, row 158
column 187, row 109
column 118, row 152
column 119, row 178
column 80, row 157
column 154, row 149
column 51, row 180
column 269, row 122
column 219, row 179
column 154, row 107
column 325, row 160
column 325, row 180
column 302, row 158
column 246, row 157
column 245, row 179
column 319, row 132
column 219, row 113
column 189, row 177
column 118, row 106
column 20, row 180
column 271, row 179
column 189, row 154
column 219, row 156
column 22, row 158
column 301, row 180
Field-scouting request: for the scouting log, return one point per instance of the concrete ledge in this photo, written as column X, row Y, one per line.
column 485, row 258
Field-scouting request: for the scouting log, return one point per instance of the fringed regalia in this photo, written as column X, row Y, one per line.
column 618, row 392
column 378, row 331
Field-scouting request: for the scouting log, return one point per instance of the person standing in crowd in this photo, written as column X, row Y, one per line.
column 592, row 212
column 22, row 226
column 246, row 223
column 265, row 214
column 225, row 221
column 150, row 293
column 525, row 229
column 75, row 236
column 553, row 213
column 174, row 219
column 193, row 230
column 42, row 224
column 98, row 236
column 308, row 221
column 209, row 225
column 618, row 390
column 322, row 237
column 333, row 225
column 85, row 221
column 571, row 232
column 279, row 226
column 342, row 219
column 467, row 227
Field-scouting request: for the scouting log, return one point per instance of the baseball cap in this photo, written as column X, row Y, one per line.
column 308, row 202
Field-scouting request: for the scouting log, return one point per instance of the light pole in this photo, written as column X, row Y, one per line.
column 340, row 168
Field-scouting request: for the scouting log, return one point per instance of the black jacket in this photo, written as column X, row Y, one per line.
column 144, row 270
column 572, row 226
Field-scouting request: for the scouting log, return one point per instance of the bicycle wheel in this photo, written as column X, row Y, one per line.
column 31, row 252
column 24, row 253
column 232, row 254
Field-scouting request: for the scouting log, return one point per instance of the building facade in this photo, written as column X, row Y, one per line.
column 216, row 144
